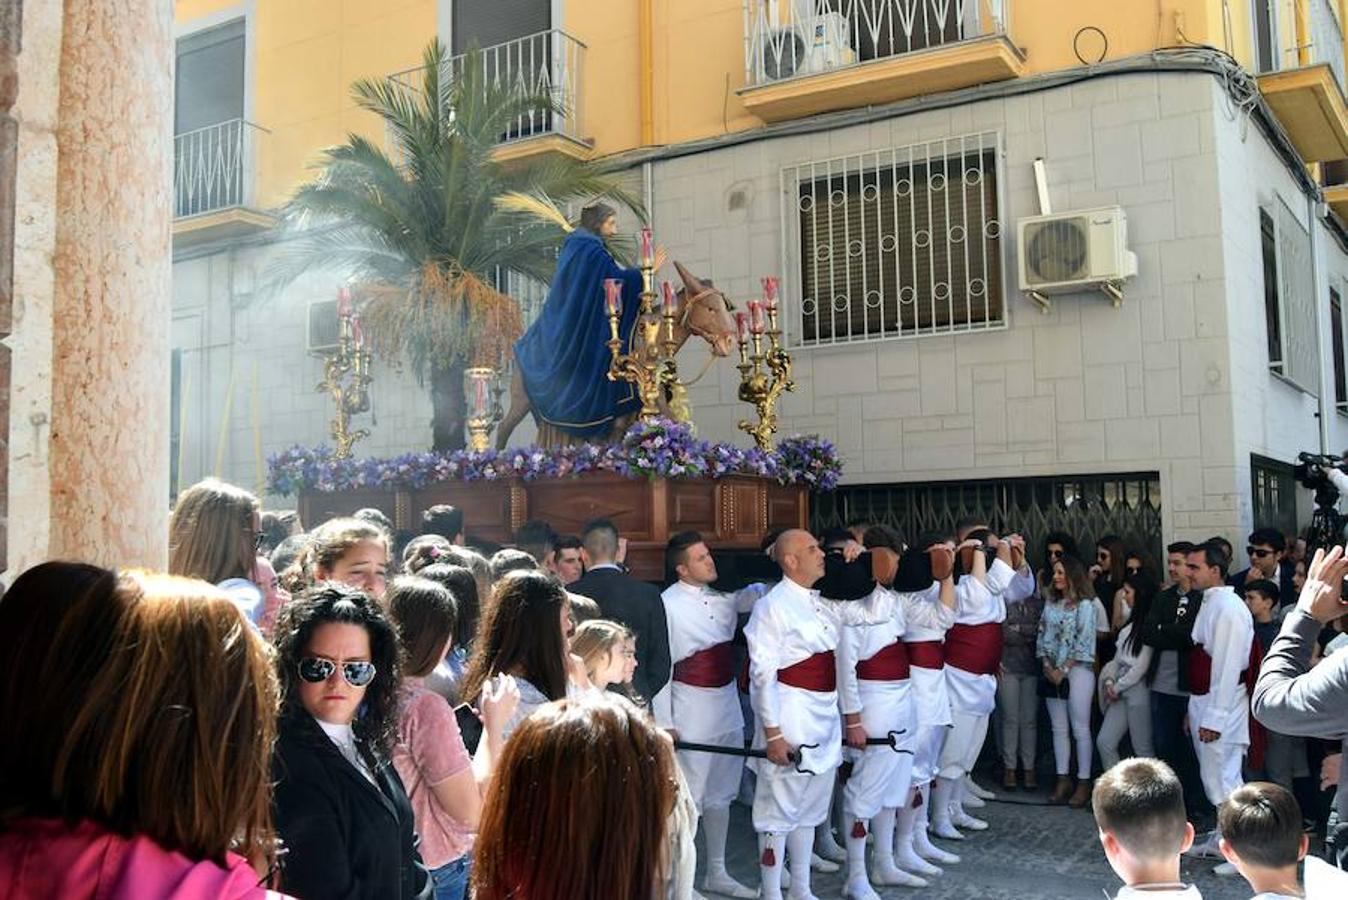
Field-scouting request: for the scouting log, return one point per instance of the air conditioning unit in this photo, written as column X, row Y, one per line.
column 322, row 335
column 1066, row 253
column 806, row 49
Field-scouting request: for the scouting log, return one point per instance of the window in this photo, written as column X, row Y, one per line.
column 1336, row 347
column 1289, row 298
column 1265, row 16
column 208, row 81
column 1273, row 491
column 897, row 243
column 485, row 23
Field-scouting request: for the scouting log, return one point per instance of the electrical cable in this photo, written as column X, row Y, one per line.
column 1076, row 44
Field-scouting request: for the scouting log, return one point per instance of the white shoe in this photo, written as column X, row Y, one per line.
column 828, row 848
column 972, row 800
column 905, row 857
column 977, row 790
column 945, row 829
column 858, row 888
column 962, row 819
column 1226, row 870
column 923, row 847
column 726, row 886
column 825, row 866
column 887, row 873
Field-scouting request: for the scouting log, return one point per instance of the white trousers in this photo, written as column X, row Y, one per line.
column 1219, row 767
column 713, row 779
column 1130, row 715
column 968, row 731
column 880, row 778
column 927, row 752
column 1077, row 708
column 785, row 799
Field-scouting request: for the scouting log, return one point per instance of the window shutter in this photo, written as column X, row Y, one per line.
column 483, row 23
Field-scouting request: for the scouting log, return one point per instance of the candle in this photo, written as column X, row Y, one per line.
column 343, row 302
column 357, row 333
column 670, row 303
column 770, row 293
column 742, row 326
column 479, row 394
column 647, row 247
column 756, row 316
column 613, row 293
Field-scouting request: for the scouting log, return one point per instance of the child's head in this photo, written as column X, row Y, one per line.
column 1139, row 808
column 1261, row 596
column 1260, row 825
column 602, row 644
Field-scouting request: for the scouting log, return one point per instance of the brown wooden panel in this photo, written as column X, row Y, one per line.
column 567, row 505
column 316, row 507
column 788, row 507
column 485, row 505
column 692, row 507
column 741, row 513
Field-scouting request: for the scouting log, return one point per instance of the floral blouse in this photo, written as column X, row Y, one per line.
column 1067, row 632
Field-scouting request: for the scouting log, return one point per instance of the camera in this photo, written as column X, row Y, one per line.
column 1310, row 473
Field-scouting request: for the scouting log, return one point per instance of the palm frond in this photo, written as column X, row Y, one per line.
column 539, row 206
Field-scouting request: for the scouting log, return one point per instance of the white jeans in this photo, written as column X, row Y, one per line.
column 1077, row 706
column 1130, row 715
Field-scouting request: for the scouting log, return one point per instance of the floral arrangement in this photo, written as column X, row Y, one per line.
column 658, row 449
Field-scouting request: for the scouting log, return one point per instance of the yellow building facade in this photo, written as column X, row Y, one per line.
column 658, row 72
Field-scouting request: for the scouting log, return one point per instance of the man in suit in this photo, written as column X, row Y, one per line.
column 622, row 598
column 1267, row 552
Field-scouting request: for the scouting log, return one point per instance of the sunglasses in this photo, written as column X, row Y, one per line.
column 1133, row 570
column 316, row 670
column 1260, row 552
column 1055, row 554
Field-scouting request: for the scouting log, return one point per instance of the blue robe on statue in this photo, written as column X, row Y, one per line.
column 563, row 357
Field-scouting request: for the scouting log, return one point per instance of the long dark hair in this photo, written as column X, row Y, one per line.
column 463, row 585
column 521, row 634
column 328, row 602
column 594, row 216
column 1144, row 587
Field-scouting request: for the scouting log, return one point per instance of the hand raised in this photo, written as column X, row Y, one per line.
column 1322, row 594
column 500, row 698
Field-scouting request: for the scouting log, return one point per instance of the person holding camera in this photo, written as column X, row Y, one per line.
column 1290, row 697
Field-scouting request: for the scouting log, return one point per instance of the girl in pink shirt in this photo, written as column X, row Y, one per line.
column 444, row 784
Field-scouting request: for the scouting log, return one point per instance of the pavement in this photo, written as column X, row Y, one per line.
column 1031, row 850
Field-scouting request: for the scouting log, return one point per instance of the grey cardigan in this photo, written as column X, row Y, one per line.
column 1292, row 698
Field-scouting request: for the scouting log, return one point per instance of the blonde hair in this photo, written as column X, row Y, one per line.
column 211, row 533
column 595, row 641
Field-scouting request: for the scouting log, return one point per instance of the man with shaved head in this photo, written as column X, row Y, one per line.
column 792, row 635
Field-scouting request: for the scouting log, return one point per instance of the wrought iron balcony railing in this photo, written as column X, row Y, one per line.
column 215, row 168
column 788, row 39
column 547, row 63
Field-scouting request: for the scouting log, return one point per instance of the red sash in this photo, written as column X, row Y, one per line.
column 975, row 648
column 814, row 673
column 711, row 667
column 890, row 664
column 926, row 654
column 1200, row 682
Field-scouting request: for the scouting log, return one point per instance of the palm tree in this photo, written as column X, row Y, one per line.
column 420, row 229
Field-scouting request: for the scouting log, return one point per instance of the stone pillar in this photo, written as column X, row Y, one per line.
column 109, row 440
column 11, row 24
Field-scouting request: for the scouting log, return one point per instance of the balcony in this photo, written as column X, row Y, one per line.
column 804, row 57
column 1307, row 95
column 215, row 182
column 549, row 62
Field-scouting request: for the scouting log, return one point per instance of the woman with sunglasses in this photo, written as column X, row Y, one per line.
column 341, row 810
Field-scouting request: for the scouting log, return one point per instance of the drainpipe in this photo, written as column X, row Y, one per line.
column 1302, row 15
column 646, row 41
column 1322, row 414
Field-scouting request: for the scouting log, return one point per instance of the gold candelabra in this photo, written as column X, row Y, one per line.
column 764, row 373
column 649, row 363
column 346, row 377
column 486, row 411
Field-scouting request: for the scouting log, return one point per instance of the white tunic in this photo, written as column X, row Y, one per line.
column 1225, row 630
column 699, row 618
column 925, row 622
column 789, row 625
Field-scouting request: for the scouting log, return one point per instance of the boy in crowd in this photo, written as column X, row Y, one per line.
column 1262, row 597
column 1260, row 824
column 1139, row 808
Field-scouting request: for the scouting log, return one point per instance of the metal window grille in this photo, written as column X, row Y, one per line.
column 1087, row 507
column 787, row 39
column 1273, row 490
column 1296, row 342
column 896, row 243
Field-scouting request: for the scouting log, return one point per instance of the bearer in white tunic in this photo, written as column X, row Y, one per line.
column 973, row 656
column 875, row 688
column 701, row 701
column 793, row 635
column 1219, row 706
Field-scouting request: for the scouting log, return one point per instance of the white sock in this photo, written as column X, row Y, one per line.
column 856, row 848
column 798, row 846
column 715, row 825
column 883, row 826
column 770, row 860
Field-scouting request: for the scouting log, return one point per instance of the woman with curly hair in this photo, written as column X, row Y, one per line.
column 340, row 806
